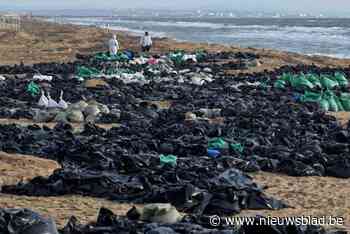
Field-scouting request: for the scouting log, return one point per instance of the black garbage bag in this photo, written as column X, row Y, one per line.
column 24, row 221
column 108, row 223
column 297, row 168
column 225, row 194
column 235, row 179
column 340, row 168
column 86, row 182
column 233, row 185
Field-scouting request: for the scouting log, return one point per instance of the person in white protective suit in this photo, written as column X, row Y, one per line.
column 146, row 42
column 113, row 45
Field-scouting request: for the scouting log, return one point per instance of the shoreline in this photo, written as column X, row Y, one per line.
column 133, row 33
column 42, row 41
column 151, row 23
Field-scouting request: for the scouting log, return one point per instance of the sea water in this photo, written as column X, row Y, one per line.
column 319, row 36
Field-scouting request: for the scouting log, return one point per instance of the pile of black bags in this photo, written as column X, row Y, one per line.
column 264, row 129
column 23, row 221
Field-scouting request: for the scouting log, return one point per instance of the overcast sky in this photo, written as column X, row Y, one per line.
column 326, row 6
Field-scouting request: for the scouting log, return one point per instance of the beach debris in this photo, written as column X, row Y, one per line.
column 189, row 57
column 33, row 89
column 62, row 103
column 81, row 105
column 51, row 103
column 160, row 213
column 210, row 113
column 43, row 116
column 73, row 112
column 25, row 221
column 168, row 160
column 92, row 109
column 43, row 101
column 317, row 88
column 103, row 108
column 193, row 153
column 42, row 78
column 61, row 117
column 190, row 116
column 87, row 72
column 110, row 223
column 75, row 116
column 213, row 153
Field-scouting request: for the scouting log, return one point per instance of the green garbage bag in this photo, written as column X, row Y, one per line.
column 177, row 58
column 324, row 104
column 332, row 103
column 314, row 79
column 280, row 84
column 341, row 78
column 33, row 89
column 264, row 84
column 121, row 57
column 311, row 97
column 287, row 77
column 111, row 71
column 86, row 72
column 301, row 82
column 168, row 160
column 104, row 56
column 339, row 103
column 328, row 83
column 200, row 55
column 345, row 100
column 237, row 147
column 217, row 143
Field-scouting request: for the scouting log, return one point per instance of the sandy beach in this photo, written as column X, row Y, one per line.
column 41, row 42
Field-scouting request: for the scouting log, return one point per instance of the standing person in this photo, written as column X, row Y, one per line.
column 113, row 45
column 146, row 42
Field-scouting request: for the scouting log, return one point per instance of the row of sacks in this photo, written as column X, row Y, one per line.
column 328, row 100
column 322, row 89
column 75, row 113
column 152, row 219
column 158, row 66
column 312, row 81
column 155, row 73
column 226, row 193
column 74, row 89
column 178, row 57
